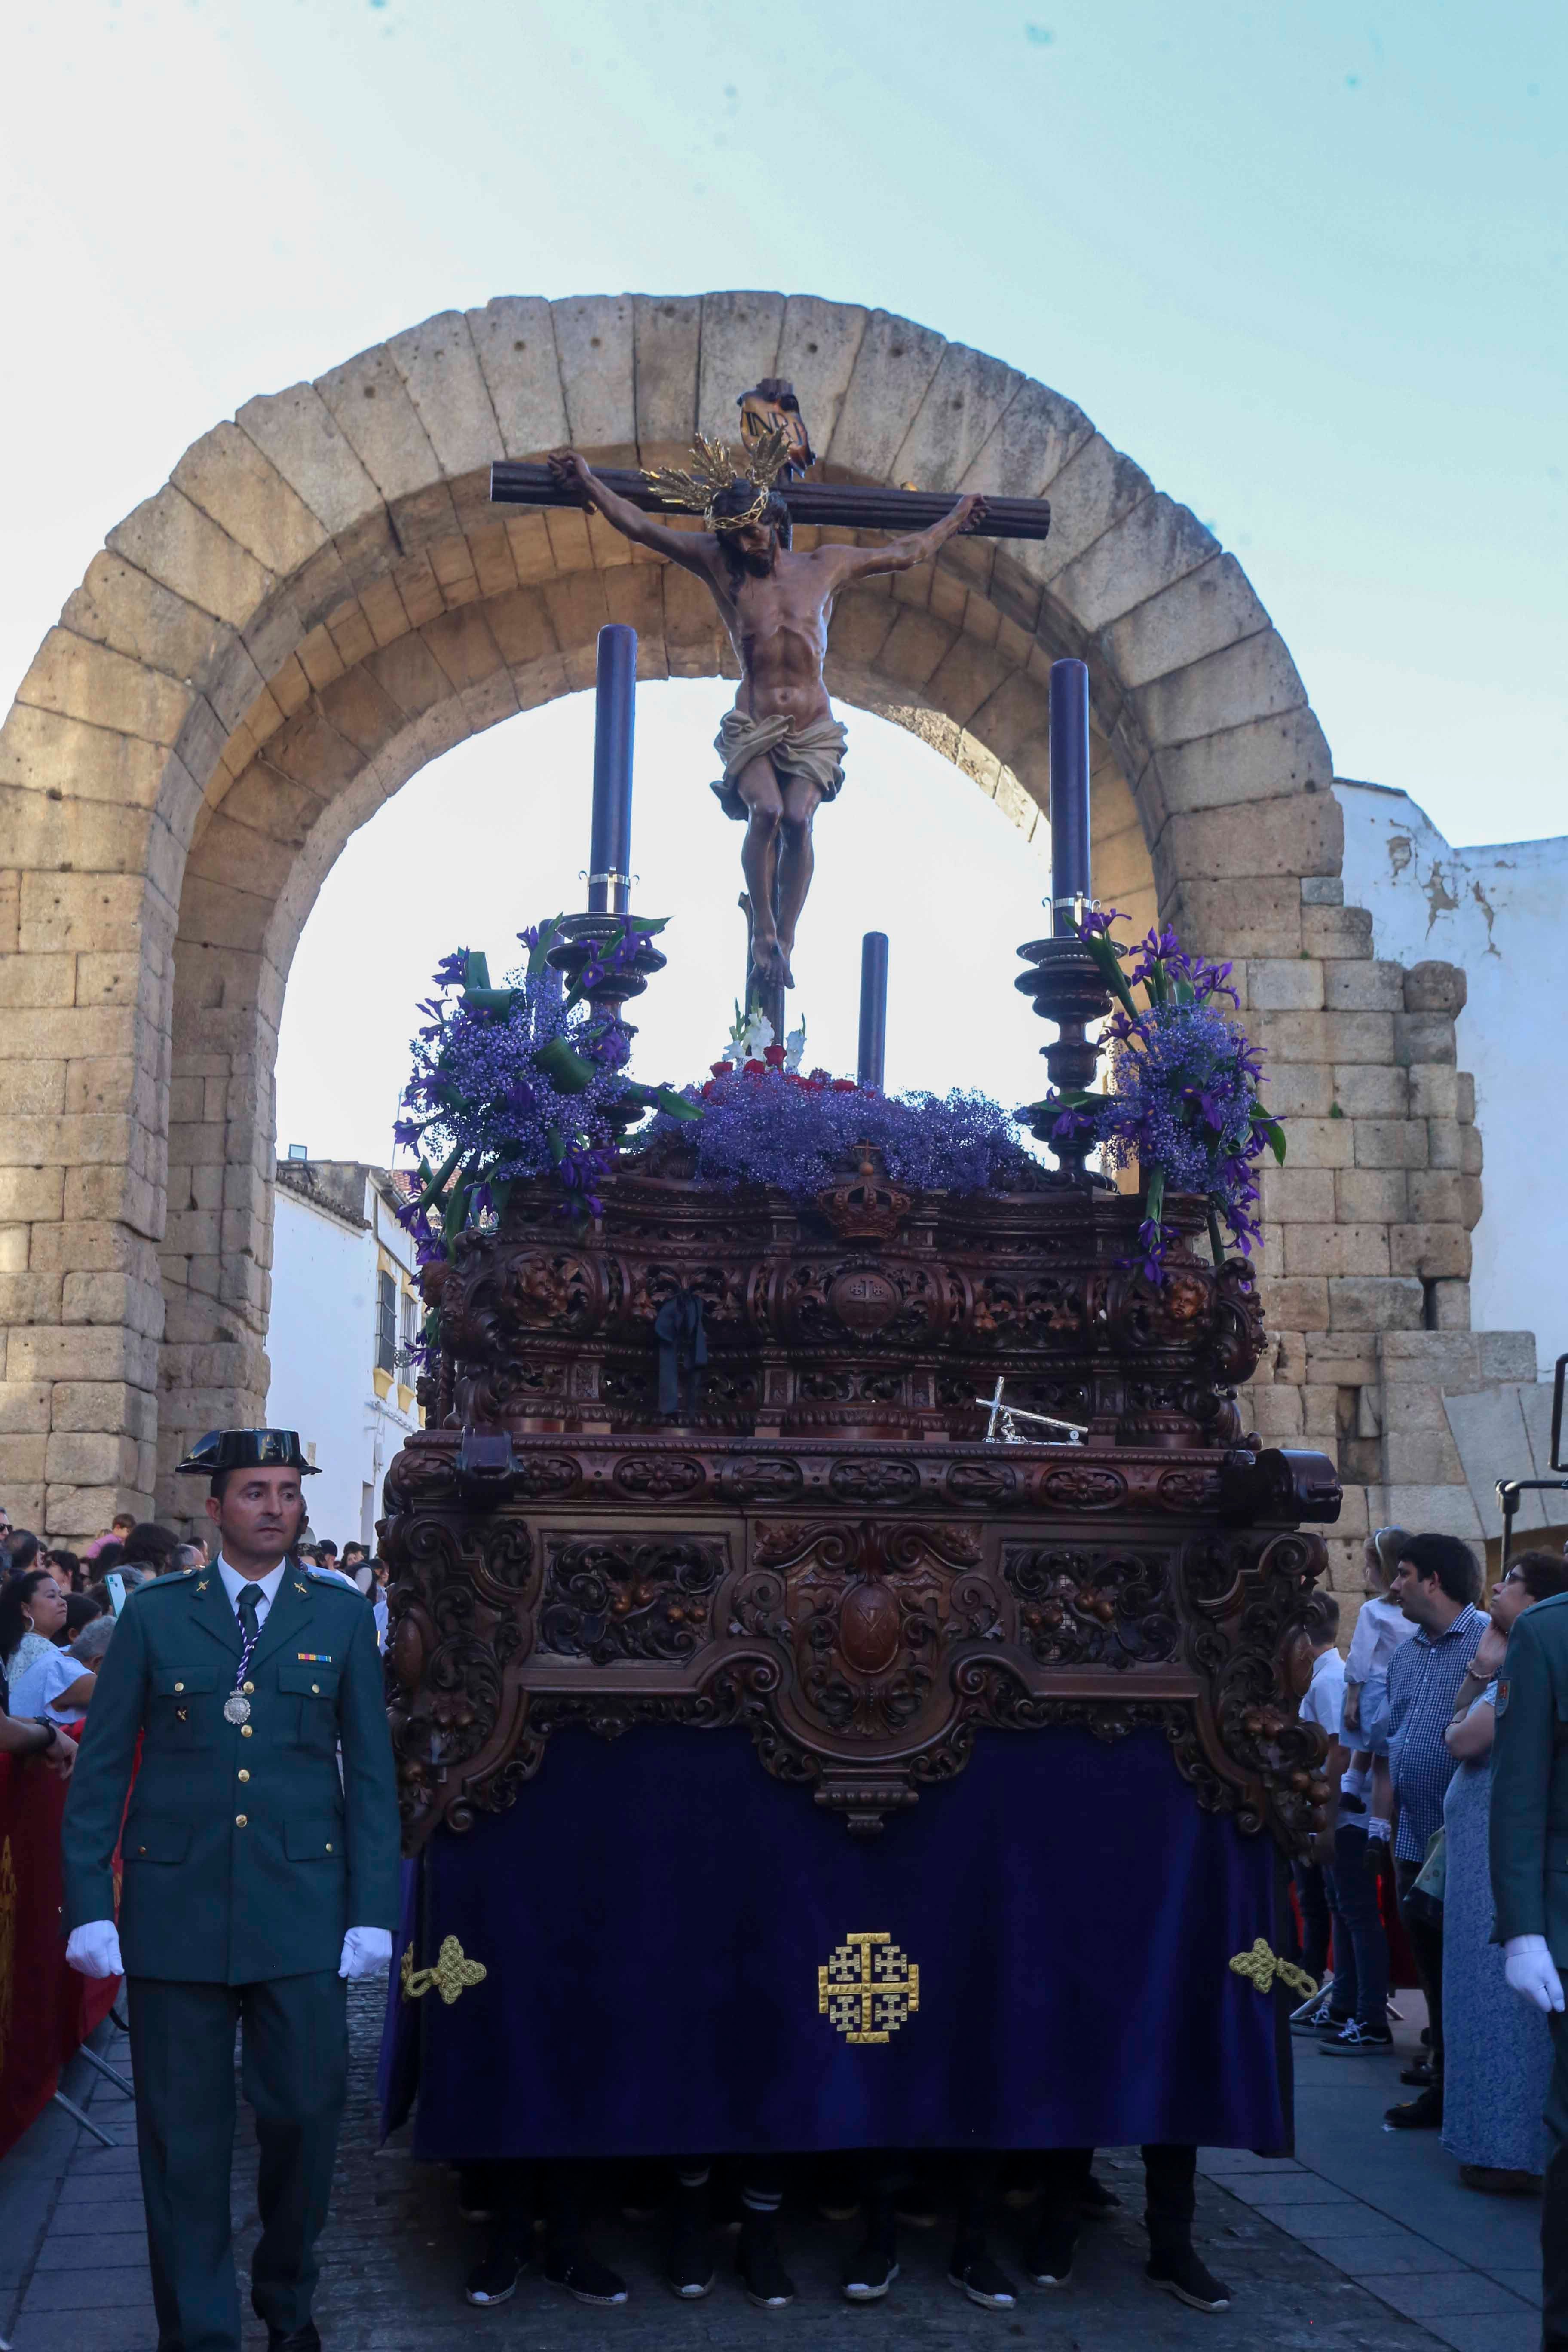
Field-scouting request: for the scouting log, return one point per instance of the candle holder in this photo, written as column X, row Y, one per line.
column 1065, row 985
column 582, row 936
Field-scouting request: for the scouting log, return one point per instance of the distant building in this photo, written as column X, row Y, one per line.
column 344, row 1308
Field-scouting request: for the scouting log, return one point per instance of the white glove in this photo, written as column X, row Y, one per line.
column 94, row 1951
column 366, row 1952
column 1529, row 1967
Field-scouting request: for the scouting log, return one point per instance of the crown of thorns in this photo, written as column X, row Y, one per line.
column 713, row 471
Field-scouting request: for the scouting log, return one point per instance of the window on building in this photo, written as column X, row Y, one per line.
column 386, row 1323
column 410, row 1319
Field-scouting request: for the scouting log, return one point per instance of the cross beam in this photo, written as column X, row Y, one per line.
column 846, row 505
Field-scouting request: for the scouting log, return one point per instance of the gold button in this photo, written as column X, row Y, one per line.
column 245, row 1731
column 316, row 1688
column 179, row 1686
column 329, row 1845
column 140, row 1849
column 239, row 1821
column 247, row 1687
column 243, row 1773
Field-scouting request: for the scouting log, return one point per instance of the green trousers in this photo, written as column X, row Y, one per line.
column 1554, row 2202
column 295, row 2076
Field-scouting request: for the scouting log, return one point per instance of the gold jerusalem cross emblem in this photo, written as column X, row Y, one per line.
column 868, row 1989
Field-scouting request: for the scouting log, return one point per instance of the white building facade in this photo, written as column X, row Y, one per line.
column 345, row 1309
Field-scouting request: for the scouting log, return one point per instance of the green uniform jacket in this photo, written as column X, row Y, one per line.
column 246, row 1854
column 1530, row 1781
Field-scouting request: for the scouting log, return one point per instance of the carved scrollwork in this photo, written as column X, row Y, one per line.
column 658, row 1476
column 876, row 1481
column 1082, row 1487
column 609, row 1598
column 1102, row 1608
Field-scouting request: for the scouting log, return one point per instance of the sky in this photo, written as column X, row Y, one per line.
column 1306, row 266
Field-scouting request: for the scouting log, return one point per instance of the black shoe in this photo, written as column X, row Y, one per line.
column 581, row 2275
column 296, row 2339
column 870, row 2273
column 1353, row 2037
column 1418, row 2076
column 761, row 2266
column 1181, row 2273
column 689, row 2267
column 1050, row 2260
column 495, row 2279
column 985, row 2282
column 1422, row 2113
column 1096, row 2201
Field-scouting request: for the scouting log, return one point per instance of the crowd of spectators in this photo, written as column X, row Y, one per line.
column 57, row 1610
column 1410, row 1714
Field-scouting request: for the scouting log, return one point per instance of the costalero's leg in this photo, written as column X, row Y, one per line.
column 689, row 2262
column 1171, row 2175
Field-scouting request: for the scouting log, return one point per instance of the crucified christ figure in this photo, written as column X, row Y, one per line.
column 782, row 749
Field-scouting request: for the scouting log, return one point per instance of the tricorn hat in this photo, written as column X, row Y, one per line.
column 247, row 1449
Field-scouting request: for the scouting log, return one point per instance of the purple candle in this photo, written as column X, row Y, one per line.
column 610, row 850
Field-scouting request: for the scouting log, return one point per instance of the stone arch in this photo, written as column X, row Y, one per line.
column 321, row 598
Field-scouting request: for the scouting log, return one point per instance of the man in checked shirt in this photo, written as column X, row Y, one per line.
column 1437, row 1584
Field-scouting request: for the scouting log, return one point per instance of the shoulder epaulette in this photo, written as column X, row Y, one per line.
column 333, row 1577
column 170, row 1576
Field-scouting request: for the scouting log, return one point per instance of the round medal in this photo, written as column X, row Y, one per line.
column 236, row 1709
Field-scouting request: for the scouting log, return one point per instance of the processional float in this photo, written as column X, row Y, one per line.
column 785, row 1762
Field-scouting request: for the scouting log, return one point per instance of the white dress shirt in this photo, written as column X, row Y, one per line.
column 234, row 1584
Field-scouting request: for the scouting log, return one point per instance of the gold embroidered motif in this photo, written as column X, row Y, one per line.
column 452, row 1974
column 1260, row 1966
column 868, row 1988
column 8, row 1944
column 301, row 1587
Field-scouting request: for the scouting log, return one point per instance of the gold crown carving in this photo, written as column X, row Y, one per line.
column 713, row 470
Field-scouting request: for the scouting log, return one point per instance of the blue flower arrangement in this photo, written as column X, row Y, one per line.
column 518, row 1082
column 766, row 1125
column 1184, row 1105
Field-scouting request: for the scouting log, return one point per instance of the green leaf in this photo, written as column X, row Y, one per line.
column 1275, row 1134
column 438, row 1183
column 477, row 971
column 567, row 1071
column 489, row 1000
column 1184, row 992
column 557, row 1142
column 539, row 954
column 676, row 1105
column 1104, row 954
column 1156, row 1201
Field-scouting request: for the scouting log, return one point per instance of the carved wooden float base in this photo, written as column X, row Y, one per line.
column 863, row 1609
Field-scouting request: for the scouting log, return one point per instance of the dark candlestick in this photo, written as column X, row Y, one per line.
column 1070, row 793
column 873, row 1008
column 615, row 701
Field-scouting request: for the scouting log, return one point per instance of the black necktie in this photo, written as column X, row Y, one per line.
column 245, row 1609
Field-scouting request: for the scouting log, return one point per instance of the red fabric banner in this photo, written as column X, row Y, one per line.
column 46, row 2009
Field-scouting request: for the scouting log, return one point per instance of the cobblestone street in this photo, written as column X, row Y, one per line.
column 1366, row 2241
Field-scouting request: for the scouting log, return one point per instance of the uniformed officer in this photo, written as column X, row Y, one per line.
column 1530, row 1887
column 257, row 1877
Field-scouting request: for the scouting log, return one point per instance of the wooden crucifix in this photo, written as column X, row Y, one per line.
column 781, row 748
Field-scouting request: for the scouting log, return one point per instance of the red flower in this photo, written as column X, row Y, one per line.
column 720, row 1069
column 818, row 1077
column 755, row 1069
column 774, row 1055
column 844, row 1086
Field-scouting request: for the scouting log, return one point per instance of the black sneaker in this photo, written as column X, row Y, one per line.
column 1422, row 2114
column 589, row 2280
column 688, row 2266
column 985, row 2282
column 870, row 2273
column 1353, row 2037
column 1050, row 2260
column 761, row 2266
column 1181, row 2273
column 495, row 2279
